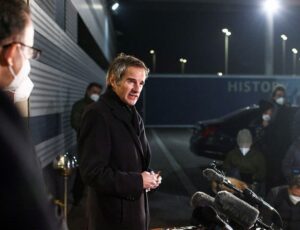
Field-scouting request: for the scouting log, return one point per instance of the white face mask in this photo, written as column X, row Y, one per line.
column 21, row 85
column 294, row 199
column 94, row 97
column 280, row 100
column 244, row 151
column 266, row 117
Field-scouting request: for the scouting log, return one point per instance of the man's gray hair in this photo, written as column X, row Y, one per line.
column 120, row 64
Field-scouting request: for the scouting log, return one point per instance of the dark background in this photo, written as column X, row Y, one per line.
column 192, row 30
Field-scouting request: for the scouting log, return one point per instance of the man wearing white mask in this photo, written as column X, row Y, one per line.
column 286, row 200
column 24, row 199
column 92, row 94
column 245, row 162
column 279, row 95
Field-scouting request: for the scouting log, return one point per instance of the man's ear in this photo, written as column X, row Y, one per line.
column 112, row 81
column 9, row 54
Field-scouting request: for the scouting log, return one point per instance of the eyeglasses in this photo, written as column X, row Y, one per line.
column 28, row 51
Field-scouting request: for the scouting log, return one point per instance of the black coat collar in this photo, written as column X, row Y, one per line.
column 124, row 113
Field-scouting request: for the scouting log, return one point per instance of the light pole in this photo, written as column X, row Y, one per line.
column 295, row 51
column 182, row 64
column 284, row 38
column 270, row 6
column 227, row 34
column 153, row 54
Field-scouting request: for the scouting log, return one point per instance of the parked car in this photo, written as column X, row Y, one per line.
column 215, row 138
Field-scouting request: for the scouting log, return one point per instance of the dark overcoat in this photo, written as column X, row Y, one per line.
column 113, row 152
column 25, row 202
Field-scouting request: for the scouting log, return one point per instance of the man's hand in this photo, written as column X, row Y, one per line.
column 151, row 180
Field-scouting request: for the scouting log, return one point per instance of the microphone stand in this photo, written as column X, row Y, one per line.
column 249, row 194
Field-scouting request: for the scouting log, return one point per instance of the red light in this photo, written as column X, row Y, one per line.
column 209, row 131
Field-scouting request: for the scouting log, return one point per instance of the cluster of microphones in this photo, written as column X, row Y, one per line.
column 238, row 210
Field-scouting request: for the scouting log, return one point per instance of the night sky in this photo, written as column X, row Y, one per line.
column 193, row 31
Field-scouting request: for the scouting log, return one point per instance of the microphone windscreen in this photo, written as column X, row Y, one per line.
column 236, row 209
column 212, row 175
column 201, row 199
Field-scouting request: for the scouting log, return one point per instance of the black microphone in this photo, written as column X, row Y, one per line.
column 236, row 209
column 254, row 199
column 205, row 212
column 212, row 175
column 209, row 218
column 201, row 199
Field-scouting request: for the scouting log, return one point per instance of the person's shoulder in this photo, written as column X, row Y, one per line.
column 78, row 102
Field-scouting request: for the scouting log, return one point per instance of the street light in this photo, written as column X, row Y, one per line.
column 227, row 34
column 153, row 54
column 284, row 38
column 295, row 51
column 220, row 74
column 115, row 6
column 271, row 7
column 182, row 64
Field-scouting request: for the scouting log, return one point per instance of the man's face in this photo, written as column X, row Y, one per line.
column 14, row 55
column 295, row 190
column 94, row 90
column 130, row 86
column 278, row 94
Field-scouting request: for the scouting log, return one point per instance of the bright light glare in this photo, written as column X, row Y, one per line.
column 226, row 32
column 182, row 60
column 284, row 37
column 295, row 51
column 152, row 51
column 271, row 6
column 220, row 74
column 115, row 6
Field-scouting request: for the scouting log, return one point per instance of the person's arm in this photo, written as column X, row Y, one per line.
column 76, row 114
column 288, row 161
column 260, row 172
column 95, row 152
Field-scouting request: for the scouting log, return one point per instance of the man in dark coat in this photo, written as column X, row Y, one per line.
column 286, row 200
column 24, row 201
column 115, row 154
column 92, row 94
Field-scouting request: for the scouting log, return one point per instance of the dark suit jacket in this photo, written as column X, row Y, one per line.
column 113, row 152
column 25, row 202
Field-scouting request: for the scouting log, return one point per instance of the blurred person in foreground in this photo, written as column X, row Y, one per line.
column 24, row 199
column 286, row 200
column 114, row 153
column 92, row 94
column 246, row 163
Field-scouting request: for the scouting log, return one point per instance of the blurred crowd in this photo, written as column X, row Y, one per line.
column 267, row 158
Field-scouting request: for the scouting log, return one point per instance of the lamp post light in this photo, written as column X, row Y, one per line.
column 284, row 38
column 270, row 6
column 295, row 52
column 182, row 64
column 115, row 6
column 227, row 34
column 153, row 54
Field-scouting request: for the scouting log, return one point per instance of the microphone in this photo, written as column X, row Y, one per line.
column 205, row 212
column 201, row 199
column 209, row 218
column 254, row 199
column 212, row 175
column 236, row 209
